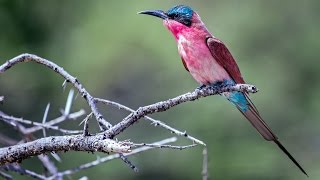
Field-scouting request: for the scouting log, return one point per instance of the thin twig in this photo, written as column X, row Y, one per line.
column 165, row 146
column 44, row 119
column 204, row 172
column 103, row 123
column 109, row 158
column 128, row 162
column 86, row 125
column 21, row 129
column 68, row 103
column 5, row 175
column 58, row 120
column 56, row 157
column 154, row 121
column 48, row 164
column 11, row 118
column 22, row 171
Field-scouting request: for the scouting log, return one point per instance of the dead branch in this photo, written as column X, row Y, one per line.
column 54, row 144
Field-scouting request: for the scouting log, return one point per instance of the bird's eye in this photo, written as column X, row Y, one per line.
column 173, row 15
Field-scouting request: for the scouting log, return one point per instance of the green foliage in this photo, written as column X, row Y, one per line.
column 132, row 59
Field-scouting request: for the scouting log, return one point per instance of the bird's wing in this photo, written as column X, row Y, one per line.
column 223, row 56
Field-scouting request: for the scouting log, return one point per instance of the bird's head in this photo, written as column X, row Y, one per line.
column 179, row 19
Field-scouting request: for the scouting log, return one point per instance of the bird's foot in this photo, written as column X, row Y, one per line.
column 216, row 85
column 220, row 84
column 201, row 87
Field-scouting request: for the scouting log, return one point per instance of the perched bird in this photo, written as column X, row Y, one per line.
column 210, row 63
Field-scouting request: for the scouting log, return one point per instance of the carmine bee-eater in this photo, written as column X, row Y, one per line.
column 210, row 63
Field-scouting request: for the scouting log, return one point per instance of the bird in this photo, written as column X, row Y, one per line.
column 210, row 63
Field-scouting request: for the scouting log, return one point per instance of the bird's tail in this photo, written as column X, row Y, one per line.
column 247, row 108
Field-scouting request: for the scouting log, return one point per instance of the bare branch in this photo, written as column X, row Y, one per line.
column 103, row 123
column 11, row 118
column 110, row 157
column 165, row 105
column 154, row 121
column 19, row 152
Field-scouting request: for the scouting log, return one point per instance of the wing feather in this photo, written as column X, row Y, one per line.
column 223, row 56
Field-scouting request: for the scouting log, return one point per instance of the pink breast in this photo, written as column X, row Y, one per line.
column 202, row 66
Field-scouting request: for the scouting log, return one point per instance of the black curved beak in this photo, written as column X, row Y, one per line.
column 157, row 13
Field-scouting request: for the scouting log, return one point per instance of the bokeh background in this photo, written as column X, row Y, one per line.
column 133, row 59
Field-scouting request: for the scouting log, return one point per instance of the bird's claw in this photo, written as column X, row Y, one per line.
column 201, row 87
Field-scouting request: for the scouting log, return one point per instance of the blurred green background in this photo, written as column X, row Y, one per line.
column 133, row 59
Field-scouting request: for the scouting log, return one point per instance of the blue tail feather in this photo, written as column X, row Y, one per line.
column 237, row 98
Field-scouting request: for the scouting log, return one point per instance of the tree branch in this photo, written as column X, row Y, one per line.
column 19, row 152
column 165, row 105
